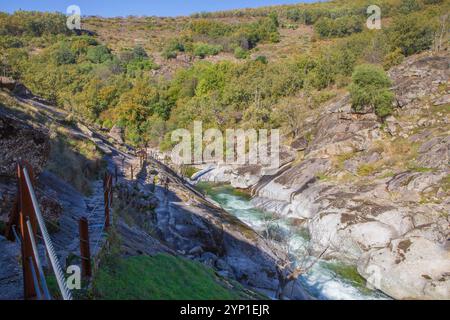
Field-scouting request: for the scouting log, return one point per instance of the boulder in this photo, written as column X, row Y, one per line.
column 411, row 268
column 117, row 133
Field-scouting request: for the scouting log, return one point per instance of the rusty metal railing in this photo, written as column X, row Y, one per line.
column 28, row 219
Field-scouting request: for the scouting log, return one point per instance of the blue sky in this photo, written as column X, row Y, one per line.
column 111, row 8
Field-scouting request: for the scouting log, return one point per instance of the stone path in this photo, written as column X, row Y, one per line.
column 11, row 280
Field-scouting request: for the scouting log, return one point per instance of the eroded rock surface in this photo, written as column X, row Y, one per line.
column 377, row 195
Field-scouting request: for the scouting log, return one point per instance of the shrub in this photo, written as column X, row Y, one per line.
column 294, row 14
column 169, row 54
column 10, row 42
column 98, row 54
column 393, row 58
column 139, row 53
column 240, row 53
column 408, row 6
column 370, row 88
column 203, row 49
column 64, row 56
column 411, row 34
column 262, row 59
column 209, row 28
column 339, row 27
column 171, row 50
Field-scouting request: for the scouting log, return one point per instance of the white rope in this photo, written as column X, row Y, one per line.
column 65, row 292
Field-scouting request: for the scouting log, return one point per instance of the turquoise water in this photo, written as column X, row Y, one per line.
column 326, row 279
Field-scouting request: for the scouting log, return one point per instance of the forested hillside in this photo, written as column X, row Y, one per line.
column 248, row 67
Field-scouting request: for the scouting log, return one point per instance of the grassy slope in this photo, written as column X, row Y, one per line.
column 162, row 277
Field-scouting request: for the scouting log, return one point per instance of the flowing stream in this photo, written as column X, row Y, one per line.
column 326, row 279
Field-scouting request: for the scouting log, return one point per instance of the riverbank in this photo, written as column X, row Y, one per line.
column 326, row 279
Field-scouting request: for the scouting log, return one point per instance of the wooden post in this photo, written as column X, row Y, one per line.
column 104, row 181
column 106, row 209
column 85, row 252
column 110, row 188
column 131, row 172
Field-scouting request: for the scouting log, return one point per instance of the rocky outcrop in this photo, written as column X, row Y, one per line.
column 117, row 134
column 420, row 77
column 410, row 268
column 389, row 221
column 200, row 230
column 243, row 176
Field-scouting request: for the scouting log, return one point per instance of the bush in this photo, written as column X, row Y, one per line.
column 98, row 54
column 64, row 56
column 408, row 6
column 172, row 49
column 139, row 53
column 393, row 58
column 294, row 14
column 370, row 88
column 10, row 42
column 210, row 28
column 411, row 34
column 240, row 53
column 203, row 49
column 169, row 54
column 340, row 27
column 262, row 59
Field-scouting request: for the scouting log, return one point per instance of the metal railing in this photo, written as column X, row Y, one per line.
column 28, row 219
column 27, row 224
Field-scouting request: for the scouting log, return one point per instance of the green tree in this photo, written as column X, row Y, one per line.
column 370, row 90
column 411, row 34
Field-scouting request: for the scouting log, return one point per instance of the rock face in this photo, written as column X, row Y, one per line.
column 420, row 77
column 377, row 196
column 243, row 176
column 202, row 231
column 411, row 268
column 117, row 134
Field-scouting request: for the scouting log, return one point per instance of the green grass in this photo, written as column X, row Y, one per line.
column 446, row 183
column 420, row 169
column 189, row 171
column 365, row 170
column 162, row 277
column 322, row 176
column 349, row 273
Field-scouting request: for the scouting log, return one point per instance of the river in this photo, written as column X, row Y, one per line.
column 330, row 280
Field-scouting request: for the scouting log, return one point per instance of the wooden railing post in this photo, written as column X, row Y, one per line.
column 106, row 209
column 110, row 187
column 85, row 252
